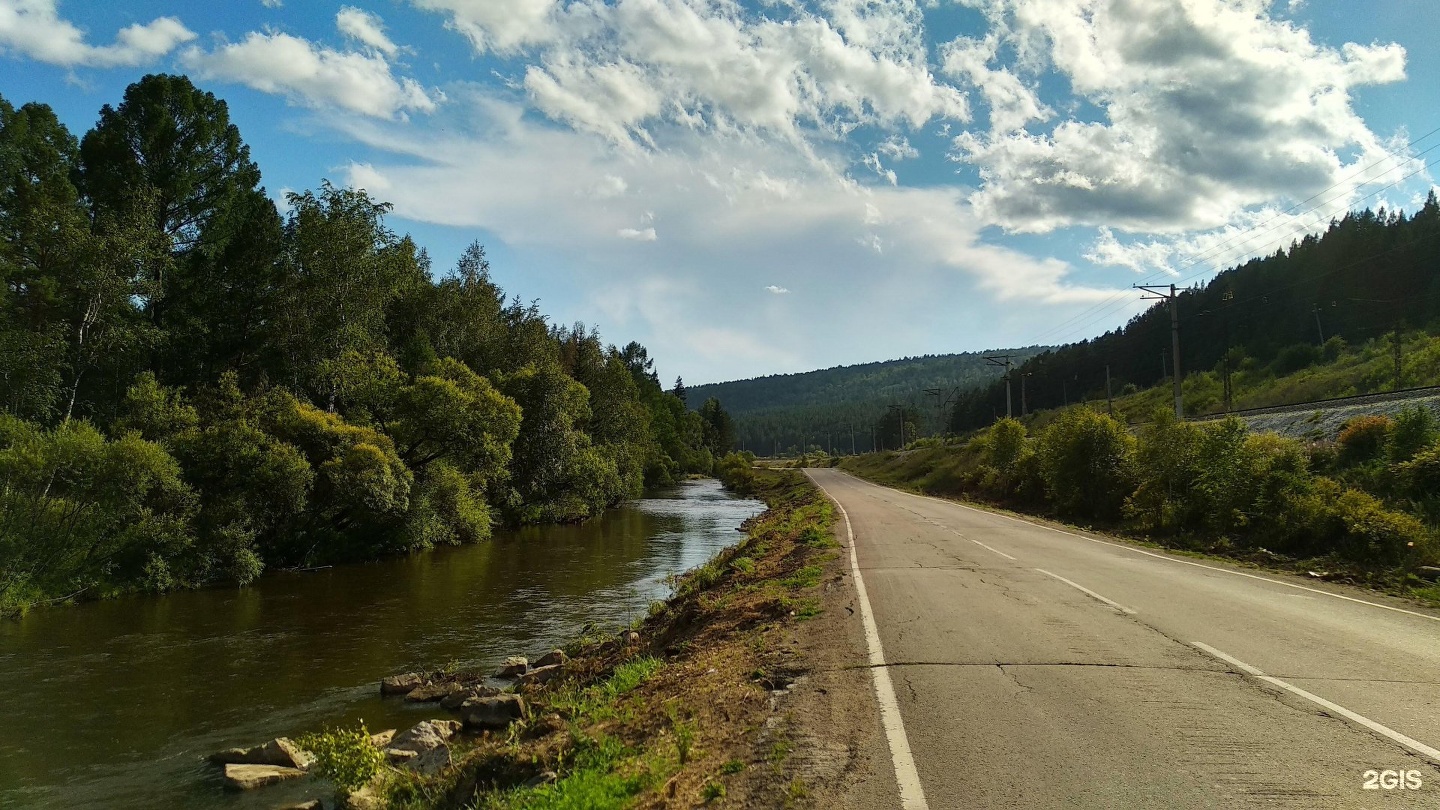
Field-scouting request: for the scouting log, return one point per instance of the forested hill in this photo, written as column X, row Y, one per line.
column 194, row 387
column 1369, row 274
column 821, row 408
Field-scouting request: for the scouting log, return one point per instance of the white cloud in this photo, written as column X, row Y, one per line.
column 776, row 290
column 34, row 28
column 502, row 26
column 1209, row 107
column 314, row 75
column 637, row 234
column 367, row 28
column 272, row 3
column 623, row 69
column 737, row 208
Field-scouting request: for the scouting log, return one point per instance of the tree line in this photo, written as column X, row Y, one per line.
column 1370, row 273
column 194, row 387
column 826, row 409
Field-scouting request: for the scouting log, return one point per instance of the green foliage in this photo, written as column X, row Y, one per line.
column 1414, row 430
column 346, row 757
column 1087, row 463
column 1362, row 438
column 79, row 512
column 285, row 393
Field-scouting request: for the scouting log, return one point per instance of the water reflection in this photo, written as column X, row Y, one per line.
column 112, row 704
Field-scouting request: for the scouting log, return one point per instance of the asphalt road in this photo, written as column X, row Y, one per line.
column 1036, row 668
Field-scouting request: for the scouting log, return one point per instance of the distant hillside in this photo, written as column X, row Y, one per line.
column 821, row 408
column 1369, row 274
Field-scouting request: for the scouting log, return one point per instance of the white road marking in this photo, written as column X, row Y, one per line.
column 912, row 795
column 1234, row 662
column 1088, row 592
column 1334, row 708
column 978, row 543
column 1167, row 557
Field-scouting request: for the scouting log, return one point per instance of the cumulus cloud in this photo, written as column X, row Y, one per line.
column 34, row 28
column 367, row 28
column 621, row 69
column 314, row 75
column 734, row 210
column 1209, row 107
column 776, row 289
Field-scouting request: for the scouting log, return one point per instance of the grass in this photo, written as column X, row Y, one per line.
column 625, row 726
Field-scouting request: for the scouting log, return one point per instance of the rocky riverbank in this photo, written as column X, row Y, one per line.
column 737, row 691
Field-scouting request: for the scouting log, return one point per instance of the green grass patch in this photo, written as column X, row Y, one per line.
column 807, row 577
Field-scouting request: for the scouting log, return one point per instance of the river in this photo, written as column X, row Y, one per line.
column 114, row 704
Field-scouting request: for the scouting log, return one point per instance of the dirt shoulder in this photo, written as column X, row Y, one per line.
column 748, row 688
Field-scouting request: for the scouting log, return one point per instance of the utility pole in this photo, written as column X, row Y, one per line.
column 1024, row 405
column 852, row 438
column 1160, row 294
column 1003, row 360
column 899, row 411
column 1109, row 398
column 1397, row 359
column 1318, row 331
column 1229, row 392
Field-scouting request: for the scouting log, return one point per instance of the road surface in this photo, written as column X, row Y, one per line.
column 1037, row 668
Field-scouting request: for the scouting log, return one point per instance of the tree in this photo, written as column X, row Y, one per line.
column 719, row 430
column 347, row 271
column 679, row 391
column 172, row 146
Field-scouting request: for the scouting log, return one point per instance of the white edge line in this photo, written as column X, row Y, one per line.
column 1385, row 731
column 1234, row 662
column 1163, row 556
column 907, row 778
column 1081, row 588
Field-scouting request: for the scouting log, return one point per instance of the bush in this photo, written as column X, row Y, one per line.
column 1087, row 463
column 1362, row 438
column 1167, row 457
column 346, row 757
column 1296, row 357
column 1414, row 430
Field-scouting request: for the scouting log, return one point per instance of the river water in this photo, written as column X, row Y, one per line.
column 114, row 704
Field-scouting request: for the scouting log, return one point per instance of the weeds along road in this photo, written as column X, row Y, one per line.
column 1039, row 668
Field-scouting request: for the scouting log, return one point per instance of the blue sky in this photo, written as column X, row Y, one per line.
column 780, row 185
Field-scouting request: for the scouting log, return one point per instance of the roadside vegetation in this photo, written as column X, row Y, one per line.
column 1364, row 508
column 195, row 387
column 669, row 712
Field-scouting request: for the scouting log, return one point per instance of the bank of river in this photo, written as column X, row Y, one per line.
column 113, row 704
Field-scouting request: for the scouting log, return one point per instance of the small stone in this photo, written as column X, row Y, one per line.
column 630, row 637
column 433, row 761
column 455, row 700
column 425, row 736
column 249, row 777
column 281, row 751
column 552, row 658
column 401, row 684
column 542, row 778
column 400, row 755
column 366, row 798
column 382, row 739
column 540, row 675
column 493, row 712
column 313, row 804
column 514, row 666
column 435, row 691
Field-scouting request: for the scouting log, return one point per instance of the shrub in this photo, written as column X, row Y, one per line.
column 1414, row 430
column 344, row 756
column 1087, row 463
column 1362, row 438
column 1296, row 357
column 1167, row 454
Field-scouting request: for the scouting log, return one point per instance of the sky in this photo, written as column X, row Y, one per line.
column 774, row 186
